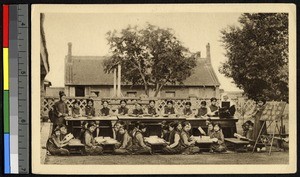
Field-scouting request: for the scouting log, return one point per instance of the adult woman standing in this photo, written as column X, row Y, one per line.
column 260, row 106
column 60, row 110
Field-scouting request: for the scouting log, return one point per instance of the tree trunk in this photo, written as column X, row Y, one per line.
column 146, row 89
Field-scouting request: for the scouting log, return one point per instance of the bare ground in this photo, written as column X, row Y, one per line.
column 204, row 158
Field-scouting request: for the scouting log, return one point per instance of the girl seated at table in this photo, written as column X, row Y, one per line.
column 218, row 139
column 165, row 132
column 139, row 146
column 89, row 109
column 122, row 110
column 117, row 136
column 125, row 142
column 203, row 110
column 210, row 129
column 213, row 108
column 55, row 144
column 138, row 110
column 106, row 125
column 186, row 140
column 174, row 146
column 169, row 109
column 76, row 111
column 151, row 109
column 90, row 144
column 187, row 111
column 105, row 111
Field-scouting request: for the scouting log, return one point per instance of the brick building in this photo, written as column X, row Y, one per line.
column 84, row 77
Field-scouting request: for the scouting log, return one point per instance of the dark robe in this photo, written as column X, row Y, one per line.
column 152, row 111
column 138, row 111
column 169, row 110
column 89, row 111
column 202, row 112
column 59, row 107
column 104, row 111
column 123, row 110
column 187, row 111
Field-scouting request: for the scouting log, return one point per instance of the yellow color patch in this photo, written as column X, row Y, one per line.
column 5, row 69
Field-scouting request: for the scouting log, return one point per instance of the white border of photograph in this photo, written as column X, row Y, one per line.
column 39, row 168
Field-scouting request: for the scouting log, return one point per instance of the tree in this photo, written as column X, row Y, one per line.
column 150, row 56
column 257, row 53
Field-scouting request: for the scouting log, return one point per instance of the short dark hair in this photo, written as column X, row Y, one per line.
column 151, row 101
column 185, row 123
column 261, row 99
column 142, row 126
column 218, row 124
column 90, row 100
column 169, row 101
column 188, row 103
column 90, row 124
column 105, row 101
column 203, row 103
column 213, row 99
column 123, row 101
column 174, row 124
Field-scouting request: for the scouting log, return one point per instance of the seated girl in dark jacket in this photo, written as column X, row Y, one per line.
column 55, row 144
column 139, row 146
column 187, row 142
column 126, row 142
column 174, row 139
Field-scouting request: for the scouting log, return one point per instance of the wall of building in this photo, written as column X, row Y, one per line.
column 54, row 91
column 137, row 91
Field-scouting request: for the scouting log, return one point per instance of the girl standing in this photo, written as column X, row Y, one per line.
column 122, row 110
column 105, row 111
column 187, row 142
column 174, row 139
column 257, row 122
column 89, row 109
column 151, row 109
column 60, row 110
column 76, row 111
column 169, row 109
column 187, row 111
column 218, row 138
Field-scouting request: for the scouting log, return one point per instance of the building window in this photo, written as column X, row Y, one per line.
column 170, row 93
column 131, row 94
column 79, row 91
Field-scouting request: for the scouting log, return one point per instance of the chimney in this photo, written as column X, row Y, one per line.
column 69, row 49
column 208, row 51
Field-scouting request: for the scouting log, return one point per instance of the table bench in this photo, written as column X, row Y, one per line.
column 236, row 144
column 75, row 147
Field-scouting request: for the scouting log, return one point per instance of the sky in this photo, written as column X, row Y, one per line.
column 87, row 33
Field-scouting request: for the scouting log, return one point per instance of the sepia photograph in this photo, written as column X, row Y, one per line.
column 163, row 89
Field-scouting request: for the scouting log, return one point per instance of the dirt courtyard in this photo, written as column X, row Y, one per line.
column 204, row 158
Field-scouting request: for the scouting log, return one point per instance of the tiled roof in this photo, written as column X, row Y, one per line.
column 88, row 70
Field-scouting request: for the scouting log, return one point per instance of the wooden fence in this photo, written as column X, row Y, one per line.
column 243, row 106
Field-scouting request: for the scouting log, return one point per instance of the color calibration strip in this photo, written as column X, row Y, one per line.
column 15, row 89
column 7, row 168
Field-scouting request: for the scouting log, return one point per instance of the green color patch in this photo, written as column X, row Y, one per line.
column 6, row 111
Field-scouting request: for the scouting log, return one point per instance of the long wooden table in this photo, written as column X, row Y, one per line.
column 153, row 123
column 74, row 123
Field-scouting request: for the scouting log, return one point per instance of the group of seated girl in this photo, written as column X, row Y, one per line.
column 178, row 139
column 169, row 110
